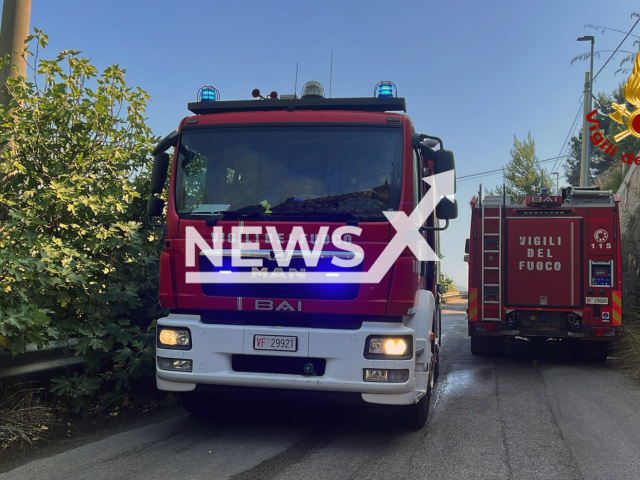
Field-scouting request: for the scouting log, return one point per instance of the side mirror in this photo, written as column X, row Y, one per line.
column 466, row 245
column 446, row 209
column 466, row 258
column 155, row 207
column 159, row 172
column 444, row 162
column 166, row 143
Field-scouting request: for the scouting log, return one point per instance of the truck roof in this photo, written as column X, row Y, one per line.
column 363, row 104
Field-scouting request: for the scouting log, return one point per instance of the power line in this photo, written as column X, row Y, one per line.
column 614, row 52
column 491, row 172
column 607, row 28
column 565, row 144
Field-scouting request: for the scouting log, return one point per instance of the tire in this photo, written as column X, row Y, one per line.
column 194, row 404
column 595, row 351
column 205, row 406
column 436, row 370
column 487, row 346
column 416, row 415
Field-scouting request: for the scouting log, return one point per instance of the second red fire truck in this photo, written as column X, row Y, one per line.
column 545, row 266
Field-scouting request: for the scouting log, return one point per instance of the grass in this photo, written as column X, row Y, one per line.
column 23, row 417
column 627, row 349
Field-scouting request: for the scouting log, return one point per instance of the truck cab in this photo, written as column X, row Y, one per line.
column 279, row 214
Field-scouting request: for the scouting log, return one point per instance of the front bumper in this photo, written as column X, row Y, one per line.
column 214, row 345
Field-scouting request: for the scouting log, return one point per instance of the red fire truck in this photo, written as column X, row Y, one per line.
column 244, row 176
column 546, row 266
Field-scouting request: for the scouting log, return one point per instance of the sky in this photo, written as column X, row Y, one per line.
column 473, row 73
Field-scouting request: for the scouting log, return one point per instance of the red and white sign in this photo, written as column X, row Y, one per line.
column 542, row 258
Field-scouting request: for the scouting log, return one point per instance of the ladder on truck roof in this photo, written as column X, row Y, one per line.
column 491, row 211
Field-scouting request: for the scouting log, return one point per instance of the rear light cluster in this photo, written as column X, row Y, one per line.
column 603, row 331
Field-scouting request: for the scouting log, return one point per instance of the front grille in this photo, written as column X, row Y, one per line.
column 303, row 291
column 273, row 364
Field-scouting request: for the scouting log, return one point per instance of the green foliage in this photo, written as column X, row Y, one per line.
column 601, row 163
column 75, row 258
column 522, row 175
column 446, row 283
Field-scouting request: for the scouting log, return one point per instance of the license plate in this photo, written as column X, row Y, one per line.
column 275, row 342
column 597, row 301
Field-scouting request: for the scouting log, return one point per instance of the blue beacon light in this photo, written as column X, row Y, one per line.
column 385, row 89
column 208, row 94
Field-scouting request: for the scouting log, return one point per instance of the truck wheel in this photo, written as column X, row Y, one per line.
column 194, row 404
column 418, row 413
column 487, row 346
column 436, row 369
column 205, row 406
column 595, row 351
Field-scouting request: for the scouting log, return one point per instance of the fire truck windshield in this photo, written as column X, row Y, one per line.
column 290, row 170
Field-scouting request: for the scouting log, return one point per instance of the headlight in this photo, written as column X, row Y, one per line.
column 399, row 348
column 177, row 338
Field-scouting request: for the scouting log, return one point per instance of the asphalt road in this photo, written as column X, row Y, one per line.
column 529, row 415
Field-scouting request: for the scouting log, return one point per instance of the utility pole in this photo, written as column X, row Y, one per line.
column 13, row 33
column 586, row 146
column 584, row 175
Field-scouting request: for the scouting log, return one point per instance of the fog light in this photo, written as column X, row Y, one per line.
column 385, row 347
column 375, row 375
column 175, row 364
column 174, row 337
column 386, row 376
column 182, row 365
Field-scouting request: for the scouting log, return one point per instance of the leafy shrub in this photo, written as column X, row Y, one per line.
column 76, row 259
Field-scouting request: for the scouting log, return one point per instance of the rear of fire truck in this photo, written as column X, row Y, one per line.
column 280, row 215
column 545, row 266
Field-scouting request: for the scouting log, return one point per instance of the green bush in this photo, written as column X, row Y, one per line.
column 76, row 258
column 446, row 283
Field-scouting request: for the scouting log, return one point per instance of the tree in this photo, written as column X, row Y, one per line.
column 446, row 283
column 605, row 170
column 75, row 258
column 522, row 175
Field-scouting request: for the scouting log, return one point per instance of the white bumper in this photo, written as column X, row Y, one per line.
column 343, row 350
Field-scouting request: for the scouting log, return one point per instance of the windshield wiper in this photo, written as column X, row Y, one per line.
column 244, row 212
column 350, row 218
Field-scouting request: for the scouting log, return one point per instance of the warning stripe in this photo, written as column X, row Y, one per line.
column 617, row 308
column 473, row 304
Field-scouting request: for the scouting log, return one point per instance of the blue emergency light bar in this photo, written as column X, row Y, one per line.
column 208, row 94
column 385, row 89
